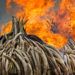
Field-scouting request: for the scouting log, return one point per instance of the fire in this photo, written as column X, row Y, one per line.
column 6, row 28
column 66, row 18
column 52, row 21
column 42, row 30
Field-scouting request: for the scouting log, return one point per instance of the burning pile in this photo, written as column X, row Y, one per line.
column 23, row 54
column 51, row 20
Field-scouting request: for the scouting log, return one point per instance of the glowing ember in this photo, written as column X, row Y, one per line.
column 52, row 22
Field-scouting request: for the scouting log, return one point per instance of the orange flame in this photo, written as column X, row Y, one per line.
column 42, row 15
column 6, row 28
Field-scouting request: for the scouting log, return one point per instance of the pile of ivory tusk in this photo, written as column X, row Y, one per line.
column 21, row 54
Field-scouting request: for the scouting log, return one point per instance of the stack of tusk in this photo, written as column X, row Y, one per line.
column 22, row 55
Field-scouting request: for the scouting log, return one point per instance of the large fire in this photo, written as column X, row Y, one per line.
column 51, row 20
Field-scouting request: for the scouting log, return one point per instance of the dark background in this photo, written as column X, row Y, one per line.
column 4, row 15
